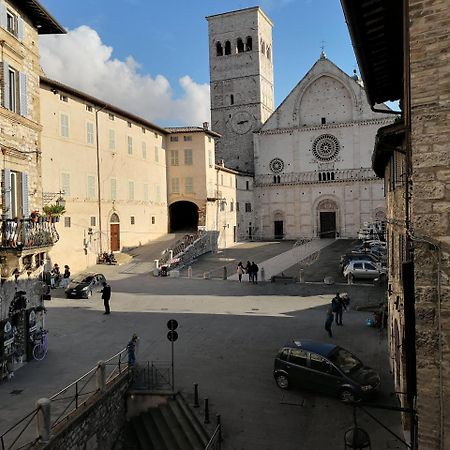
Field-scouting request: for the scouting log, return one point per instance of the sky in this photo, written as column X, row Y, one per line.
column 151, row 57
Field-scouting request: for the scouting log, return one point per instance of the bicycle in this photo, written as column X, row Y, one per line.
column 41, row 347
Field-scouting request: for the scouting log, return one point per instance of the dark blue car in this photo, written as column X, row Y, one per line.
column 325, row 368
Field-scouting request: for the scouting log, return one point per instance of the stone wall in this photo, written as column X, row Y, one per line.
column 98, row 425
column 430, row 111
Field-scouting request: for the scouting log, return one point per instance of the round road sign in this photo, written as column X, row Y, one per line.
column 172, row 336
column 172, row 324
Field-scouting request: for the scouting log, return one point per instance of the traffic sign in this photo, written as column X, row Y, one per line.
column 172, row 335
column 172, row 324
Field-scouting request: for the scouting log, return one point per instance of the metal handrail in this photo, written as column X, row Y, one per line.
column 2, row 437
column 215, row 439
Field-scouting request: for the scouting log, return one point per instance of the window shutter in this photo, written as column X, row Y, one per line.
column 3, row 21
column 6, row 100
column 7, row 193
column 23, row 94
column 25, row 204
column 20, row 29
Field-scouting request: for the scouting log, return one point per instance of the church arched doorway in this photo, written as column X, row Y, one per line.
column 183, row 216
column 327, row 215
column 114, row 232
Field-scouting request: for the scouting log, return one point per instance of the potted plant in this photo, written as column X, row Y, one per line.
column 53, row 211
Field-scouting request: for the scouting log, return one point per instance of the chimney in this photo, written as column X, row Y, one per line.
column 205, row 125
column 222, row 162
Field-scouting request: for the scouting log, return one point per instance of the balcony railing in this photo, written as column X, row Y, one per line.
column 22, row 234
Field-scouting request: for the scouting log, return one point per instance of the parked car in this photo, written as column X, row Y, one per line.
column 364, row 269
column 326, row 368
column 362, row 256
column 84, row 284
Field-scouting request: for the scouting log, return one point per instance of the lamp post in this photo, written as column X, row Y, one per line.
column 97, row 110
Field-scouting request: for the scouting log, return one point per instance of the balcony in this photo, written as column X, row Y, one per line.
column 26, row 236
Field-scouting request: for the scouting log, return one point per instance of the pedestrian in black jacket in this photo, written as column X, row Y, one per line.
column 106, row 296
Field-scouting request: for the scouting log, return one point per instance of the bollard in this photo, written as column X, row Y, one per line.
column 43, row 421
column 156, row 263
column 350, row 278
column 224, row 272
column 189, row 272
column 206, row 411
column 196, row 404
column 301, row 276
column 220, row 427
column 100, row 375
column 263, row 274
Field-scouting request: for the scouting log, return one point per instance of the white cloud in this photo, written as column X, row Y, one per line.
column 81, row 60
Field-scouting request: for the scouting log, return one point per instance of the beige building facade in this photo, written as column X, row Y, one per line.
column 110, row 167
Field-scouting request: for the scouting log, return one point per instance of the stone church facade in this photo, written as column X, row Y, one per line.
column 311, row 158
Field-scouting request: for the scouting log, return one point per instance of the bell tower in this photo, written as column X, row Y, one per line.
column 241, row 81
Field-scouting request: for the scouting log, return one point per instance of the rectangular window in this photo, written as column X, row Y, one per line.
column 130, row 145
column 187, row 138
column 64, row 98
column 237, row 206
column 113, row 189
column 232, row 206
column 153, row 220
column 143, row 130
column 248, row 207
column 156, row 154
column 65, row 125
column 188, row 157
column 132, row 220
column 209, row 139
column 93, row 221
column 145, row 192
column 89, row 132
column 91, row 186
column 158, row 193
column 221, row 179
column 156, row 135
column 324, row 120
column 129, row 124
column 247, row 185
column 173, row 138
column 67, row 222
column 222, row 206
column 131, row 190
column 175, row 185
column 11, row 23
column 188, row 185
column 174, row 157
column 65, row 183
column 88, row 108
column 111, row 116
column 144, row 150
column 111, row 140
column 210, row 158
column 12, row 91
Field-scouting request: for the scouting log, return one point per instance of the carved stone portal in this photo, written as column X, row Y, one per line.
column 327, row 205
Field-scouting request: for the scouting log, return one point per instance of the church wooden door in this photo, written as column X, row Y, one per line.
column 327, row 225
column 115, row 237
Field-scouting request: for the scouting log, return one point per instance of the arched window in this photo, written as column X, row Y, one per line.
column 240, row 45
column 332, row 176
column 320, row 176
column 278, row 179
column 114, row 218
column 274, row 178
column 231, row 99
column 228, row 48
column 328, row 176
column 269, row 52
column 263, row 47
column 219, row 49
column 249, row 44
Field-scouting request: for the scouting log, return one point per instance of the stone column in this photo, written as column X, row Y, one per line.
column 43, row 421
column 100, row 375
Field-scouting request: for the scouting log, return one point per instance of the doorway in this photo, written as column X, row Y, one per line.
column 115, row 237
column 327, row 225
column 278, row 229
column 183, row 216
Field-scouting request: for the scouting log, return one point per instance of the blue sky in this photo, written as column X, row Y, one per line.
column 159, row 43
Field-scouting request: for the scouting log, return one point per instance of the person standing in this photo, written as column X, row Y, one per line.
column 338, row 305
column 66, row 276
column 240, row 271
column 248, row 270
column 131, row 348
column 106, row 296
column 329, row 321
column 255, row 270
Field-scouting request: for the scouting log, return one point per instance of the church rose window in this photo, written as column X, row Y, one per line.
column 276, row 165
column 326, row 147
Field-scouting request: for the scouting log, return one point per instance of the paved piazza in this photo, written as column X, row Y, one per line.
column 229, row 333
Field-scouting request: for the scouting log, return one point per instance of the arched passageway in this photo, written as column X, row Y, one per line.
column 183, row 216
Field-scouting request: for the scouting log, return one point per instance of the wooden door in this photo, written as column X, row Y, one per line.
column 115, row 237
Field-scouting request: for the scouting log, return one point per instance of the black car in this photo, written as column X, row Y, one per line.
column 326, row 368
column 84, row 284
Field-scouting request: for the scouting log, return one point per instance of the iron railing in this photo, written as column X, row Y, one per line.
column 27, row 234
column 216, row 439
column 153, row 375
column 179, row 247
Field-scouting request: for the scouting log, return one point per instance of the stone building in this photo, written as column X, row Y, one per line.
column 241, row 79
column 313, row 174
column 24, row 241
column 402, row 50
column 110, row 167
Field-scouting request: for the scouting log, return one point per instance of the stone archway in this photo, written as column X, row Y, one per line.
column 183, row 216
column 327, row 219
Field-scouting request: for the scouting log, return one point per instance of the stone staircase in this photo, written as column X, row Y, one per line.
column 170, row 426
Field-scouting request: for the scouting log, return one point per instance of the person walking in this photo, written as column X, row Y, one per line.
column 131, row 348
column 255, row 270
column 106, row 296
column 248, row 270
column 240, row 271
column 329, row 321
column 338, row 305
column 66, row 276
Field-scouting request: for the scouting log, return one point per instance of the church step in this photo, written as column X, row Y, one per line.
column 153, row 431
column 139, row 429
column 176, row 428
column 167, row 427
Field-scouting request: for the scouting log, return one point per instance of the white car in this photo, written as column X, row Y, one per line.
column 364, row 269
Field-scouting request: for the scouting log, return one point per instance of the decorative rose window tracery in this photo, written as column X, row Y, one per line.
column 276, row 165
column 326, row 147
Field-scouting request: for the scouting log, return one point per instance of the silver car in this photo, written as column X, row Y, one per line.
column 364, row 269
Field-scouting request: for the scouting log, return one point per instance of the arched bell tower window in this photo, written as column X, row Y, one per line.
column 219, row 49
column 249, row 44
column 263, row 47
column 268, row 53
column 231, row 99
column 228, row 48
column 240, row 45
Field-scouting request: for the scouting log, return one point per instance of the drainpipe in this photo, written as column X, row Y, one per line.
column 98, row 177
